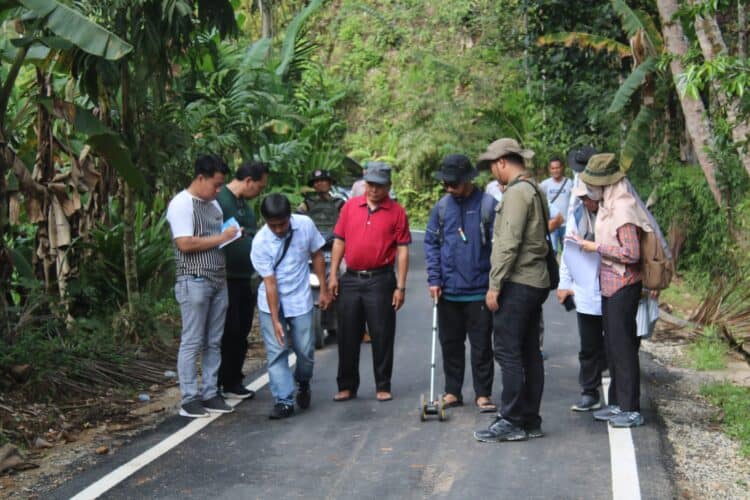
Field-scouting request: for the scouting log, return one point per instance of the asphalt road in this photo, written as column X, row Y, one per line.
column 367, row 449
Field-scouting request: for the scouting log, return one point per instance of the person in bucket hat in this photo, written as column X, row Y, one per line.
column 620, row 219
column 518, row 286
column 458, row 243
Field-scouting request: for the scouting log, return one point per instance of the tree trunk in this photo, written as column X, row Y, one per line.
column 6, row 164
column 128, row 246
column 128, row 205
column 712, row 45
column 266, row 16
column 741, row 30
column 694, row 111
column 6, row 264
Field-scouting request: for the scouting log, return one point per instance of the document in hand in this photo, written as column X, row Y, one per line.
column 231, row 222
column 583, row 266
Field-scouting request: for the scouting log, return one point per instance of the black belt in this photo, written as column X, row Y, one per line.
column 370, row 272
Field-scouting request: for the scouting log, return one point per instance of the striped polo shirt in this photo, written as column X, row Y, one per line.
column 191, row 216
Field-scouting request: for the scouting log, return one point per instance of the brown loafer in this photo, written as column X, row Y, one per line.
column 344, row 395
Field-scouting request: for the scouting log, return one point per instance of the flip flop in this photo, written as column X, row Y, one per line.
column 451, row 404
column 486, row 407
column 383, row 396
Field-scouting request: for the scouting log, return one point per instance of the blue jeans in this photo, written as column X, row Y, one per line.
column 203, row 307
column 557, row 237
column 299, row 338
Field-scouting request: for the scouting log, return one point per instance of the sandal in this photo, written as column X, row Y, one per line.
column 383, row 396
column 487, row 407
column 344, row 395
column 451, row 404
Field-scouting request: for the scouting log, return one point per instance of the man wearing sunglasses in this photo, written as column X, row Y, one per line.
column 458, row 244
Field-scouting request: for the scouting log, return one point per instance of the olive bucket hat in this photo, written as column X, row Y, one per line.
column 601, row 170
column 500, row 148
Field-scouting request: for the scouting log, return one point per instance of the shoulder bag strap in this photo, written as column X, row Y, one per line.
column 287, row 242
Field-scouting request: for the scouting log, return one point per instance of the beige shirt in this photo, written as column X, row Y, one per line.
column 519, row 247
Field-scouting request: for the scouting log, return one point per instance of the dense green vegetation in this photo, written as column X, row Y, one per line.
column 95, row 142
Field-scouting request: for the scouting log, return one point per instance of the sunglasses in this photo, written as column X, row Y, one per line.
column 452, row 185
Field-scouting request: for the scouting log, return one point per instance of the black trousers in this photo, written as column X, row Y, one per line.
column 517, row 352
column 236, row 329
column 592, row 354
column 456, row 321
column 622, row 344
column 366, row 301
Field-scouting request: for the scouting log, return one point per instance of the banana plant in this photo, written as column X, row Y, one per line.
column 45, row 28
column 645, row 51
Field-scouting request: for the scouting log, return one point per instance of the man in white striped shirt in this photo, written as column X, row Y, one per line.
column 201, row 290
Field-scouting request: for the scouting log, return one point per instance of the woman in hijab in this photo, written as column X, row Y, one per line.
column 620, row 220
column 584, row 204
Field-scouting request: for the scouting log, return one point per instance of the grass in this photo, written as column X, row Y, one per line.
column 734, row 402
column 682, row 296
column 708, row 352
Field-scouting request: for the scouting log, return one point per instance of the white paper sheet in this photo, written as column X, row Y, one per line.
column 583, row 266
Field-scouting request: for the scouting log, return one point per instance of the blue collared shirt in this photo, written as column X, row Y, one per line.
column 293, row 272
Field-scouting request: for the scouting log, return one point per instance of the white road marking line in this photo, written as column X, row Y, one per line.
column 126, row 470
column 625, row 482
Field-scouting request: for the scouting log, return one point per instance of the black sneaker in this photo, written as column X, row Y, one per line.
column 281, row 410
column 627, row 419
column 607, row 413
column 501, row 430
column 193, row 409
column 587, row 403
column 217, row 405
column 303, row 395
column 237, row 391
column 534, row 432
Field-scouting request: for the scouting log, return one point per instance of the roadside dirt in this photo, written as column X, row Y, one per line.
column 707, row 463
column 65, row 440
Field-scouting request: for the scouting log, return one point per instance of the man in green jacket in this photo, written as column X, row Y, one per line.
column 249, row 181
column 519, row 285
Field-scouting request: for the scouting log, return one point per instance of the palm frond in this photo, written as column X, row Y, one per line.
column 290, row 39
column 585, row 41
column 631, row 84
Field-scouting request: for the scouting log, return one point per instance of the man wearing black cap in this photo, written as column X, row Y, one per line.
column 320, row 205
column 458, row 243
column 518, row 286
column 592, row 356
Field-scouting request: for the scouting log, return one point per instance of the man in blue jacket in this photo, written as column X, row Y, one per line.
column 457, row 249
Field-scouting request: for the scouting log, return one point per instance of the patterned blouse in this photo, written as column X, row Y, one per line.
column 628, row 253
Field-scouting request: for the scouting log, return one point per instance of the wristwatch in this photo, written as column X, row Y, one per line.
column 401, row 289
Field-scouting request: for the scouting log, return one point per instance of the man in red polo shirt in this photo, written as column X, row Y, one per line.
column 372, row 234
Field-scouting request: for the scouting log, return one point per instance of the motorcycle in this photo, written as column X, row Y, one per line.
column 324, row 323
